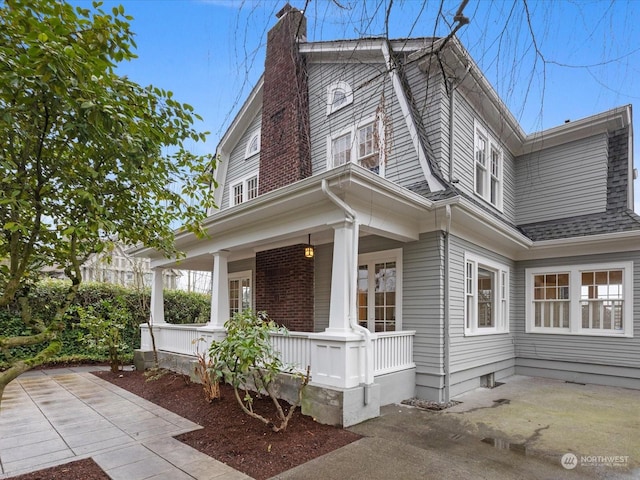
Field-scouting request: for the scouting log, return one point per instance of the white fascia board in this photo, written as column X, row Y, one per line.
column 360, row 184
column 475, row 219
column 585, row 245
column 243, row 119
column 467, row 64
column 575, row 130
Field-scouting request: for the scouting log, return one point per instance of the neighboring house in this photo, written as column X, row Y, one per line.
column 451, row 248
column 116, row 266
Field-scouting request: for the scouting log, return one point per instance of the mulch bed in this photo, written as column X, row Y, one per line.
column 231, row 436
column 228, row 434
column 85, row 469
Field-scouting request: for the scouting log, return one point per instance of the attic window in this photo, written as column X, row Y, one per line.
column 339, row 95
column 253, row 145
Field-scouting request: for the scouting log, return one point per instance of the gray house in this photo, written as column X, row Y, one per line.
column 379, row 199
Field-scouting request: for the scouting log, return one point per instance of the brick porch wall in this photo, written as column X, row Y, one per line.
column 284, row 287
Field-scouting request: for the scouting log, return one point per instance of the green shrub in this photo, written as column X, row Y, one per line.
column 186, row 307
column 46, row 296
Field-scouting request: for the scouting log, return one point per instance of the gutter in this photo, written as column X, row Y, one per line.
column 353, row 268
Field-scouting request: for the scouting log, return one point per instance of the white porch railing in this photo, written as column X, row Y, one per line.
column 174, row 338
column 294, row 349
column 392, row 351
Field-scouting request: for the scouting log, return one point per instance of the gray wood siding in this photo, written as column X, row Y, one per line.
column 464, row 165
column 600, row 350
column 372, row 88
column 239, row 167
column 243, row 265
column 322, row 286
column 474, row 351
column 423, row 303
column 422, row 293
column 432, row 102
column 562, row 181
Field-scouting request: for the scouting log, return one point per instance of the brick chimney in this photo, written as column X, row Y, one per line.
column 284, row 277
column 284, row 153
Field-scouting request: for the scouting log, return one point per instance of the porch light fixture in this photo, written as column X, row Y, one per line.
column 308, row 250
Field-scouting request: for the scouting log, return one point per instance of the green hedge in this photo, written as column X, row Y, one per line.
column 46, row 296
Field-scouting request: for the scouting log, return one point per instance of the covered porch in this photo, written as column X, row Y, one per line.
column 343, row 306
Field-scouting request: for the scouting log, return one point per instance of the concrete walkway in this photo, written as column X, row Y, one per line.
column 52, row 417
column 522, row 429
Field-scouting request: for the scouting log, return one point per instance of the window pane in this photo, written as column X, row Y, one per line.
column 234, row 297
column 366, row 141
column 339, row 97
column 252, row 188
column 486, row 283
column 602, row 300
column 341, row 150
column 237, row 194
column 363, row 289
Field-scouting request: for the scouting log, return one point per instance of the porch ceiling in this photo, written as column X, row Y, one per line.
column 288, row 215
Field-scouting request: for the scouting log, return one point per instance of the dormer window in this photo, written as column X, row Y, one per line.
column 253, row 145
column 339, row 95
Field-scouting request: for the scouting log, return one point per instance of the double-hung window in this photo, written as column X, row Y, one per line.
column 486, row 291
column 580, row 299
column 488, row 165
column 244, row 190
column 361, row 144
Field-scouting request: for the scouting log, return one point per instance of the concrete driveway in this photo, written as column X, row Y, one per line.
column 521, row 429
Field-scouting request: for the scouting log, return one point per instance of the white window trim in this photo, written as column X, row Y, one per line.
column 248, row 154
column 245, row 191
column 241, row 276
column 575, row 314
column 491, row 143
column 501, row 296
column 331, row 108
column 353, row 130
column 394, row 255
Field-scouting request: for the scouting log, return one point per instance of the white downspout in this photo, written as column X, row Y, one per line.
column 368, row 349
column 447, row 305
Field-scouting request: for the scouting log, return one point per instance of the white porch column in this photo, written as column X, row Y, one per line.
column 342, row 279
column 219, row 290
column 214, row 329
column 337, row 354
column 157, row 297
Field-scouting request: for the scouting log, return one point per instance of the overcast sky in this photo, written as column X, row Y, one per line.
column 210, row 53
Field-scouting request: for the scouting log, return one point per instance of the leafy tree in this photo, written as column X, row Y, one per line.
column 86, row 156
column 104, row 327
column 245, row 358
